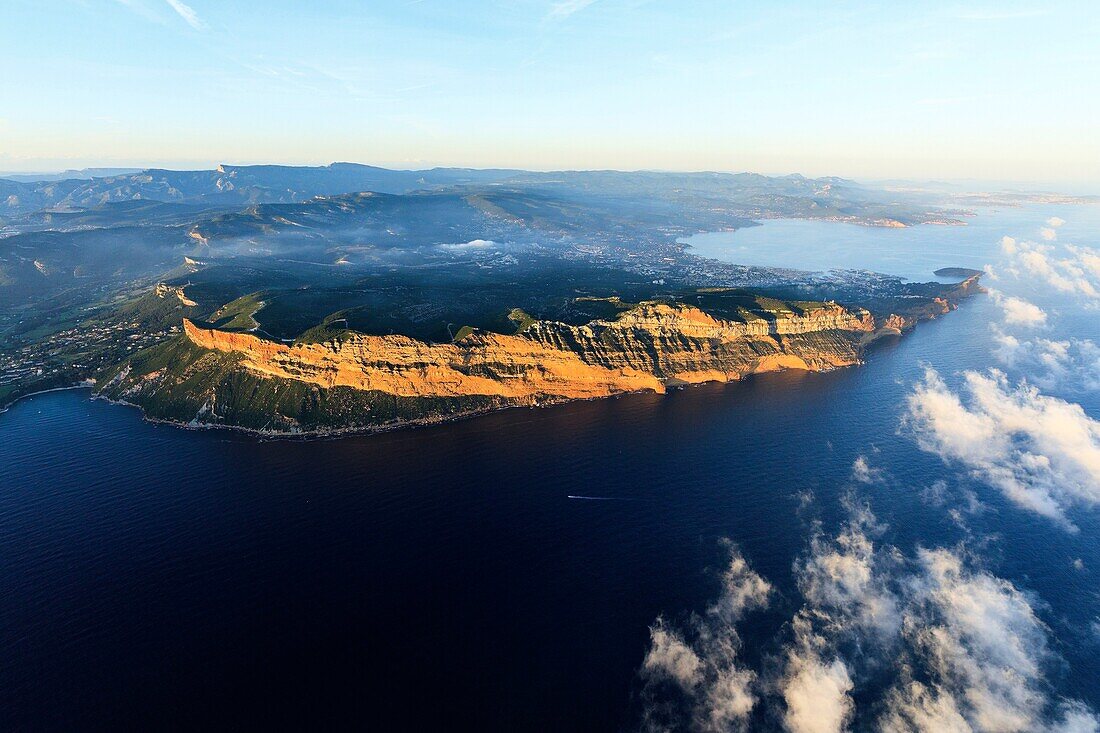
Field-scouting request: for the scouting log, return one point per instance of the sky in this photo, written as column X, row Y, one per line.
column 931, row 90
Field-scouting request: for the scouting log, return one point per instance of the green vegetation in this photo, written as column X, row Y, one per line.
column 521, row 318
column 739, row 304
column 93, row 271
column 192, row 384
column 333, row 327
column 593, row 308
column 154, row 309
column 238, row 315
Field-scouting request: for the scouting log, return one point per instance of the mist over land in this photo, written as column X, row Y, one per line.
column 300, row 255
column 634, row 365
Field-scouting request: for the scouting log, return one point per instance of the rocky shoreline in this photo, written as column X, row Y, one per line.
column 356, row 383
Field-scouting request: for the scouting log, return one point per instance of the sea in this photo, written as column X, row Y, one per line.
column 505, row 572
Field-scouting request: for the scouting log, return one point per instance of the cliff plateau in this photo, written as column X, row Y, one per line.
column 359, row 381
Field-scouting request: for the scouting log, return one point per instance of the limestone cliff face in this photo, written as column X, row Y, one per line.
column 924, row 309
column 647, row 348
column 683, row 344
column 481, row 364
column 357, row 381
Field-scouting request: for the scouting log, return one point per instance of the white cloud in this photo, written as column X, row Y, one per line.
column 565, row 8
column 941, row 645
column 1075, row 717
column 983, row 651
column 1043, row 453
column 965, row 650
column 139, row 7
column 912, row 707
column 1087, row 258
column 188, row 14
column 1048, row 233
column 670, row 656
column 862, row 471
column 1055, row 221
column 1068, row 268
column 840, row 581
column 1071, row 365
column 843, row 582
column 742, row 591
column 694, row 673
column 816, row 691
column 1019, row 312
column 981, row 642
column 473, row 244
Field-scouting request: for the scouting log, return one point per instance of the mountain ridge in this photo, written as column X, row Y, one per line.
column 207, row 377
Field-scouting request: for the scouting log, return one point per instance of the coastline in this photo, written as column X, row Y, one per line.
column 85, row 384
column 334, row 433
column 963, row 289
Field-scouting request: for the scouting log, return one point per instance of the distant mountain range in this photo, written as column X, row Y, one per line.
column 95, row 268
column 81, row 173
column 73, row 238
column 229, row 185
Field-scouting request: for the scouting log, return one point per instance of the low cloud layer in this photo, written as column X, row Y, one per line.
column 473, row 244
column 188, row 14
column 816, row 685
column 955, row 648
column 1043, row 453
column 1071, row 365
column 982, row 650
column 692, row 677
column 1019, row 312
column 1066, row 268
column 844, row 600
column 924, row 643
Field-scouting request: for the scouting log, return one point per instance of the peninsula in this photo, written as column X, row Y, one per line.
column 334, row 379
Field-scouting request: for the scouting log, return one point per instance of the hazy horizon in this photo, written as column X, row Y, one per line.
column 970, row 184
column 997, row 92
column 574, row 365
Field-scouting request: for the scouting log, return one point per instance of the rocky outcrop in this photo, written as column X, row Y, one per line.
column 927, row 307
column 647, row 348
column 356, row 381
column 163, row 290
column 896, row 324
column 481, row 364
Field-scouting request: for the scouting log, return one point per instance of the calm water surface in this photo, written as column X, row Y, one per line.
column 441, row 577
column 913, row 252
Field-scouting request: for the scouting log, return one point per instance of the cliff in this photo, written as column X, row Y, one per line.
column 361, row 381
column 644, row 349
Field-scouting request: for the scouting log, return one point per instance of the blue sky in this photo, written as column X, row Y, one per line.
column 995, row 90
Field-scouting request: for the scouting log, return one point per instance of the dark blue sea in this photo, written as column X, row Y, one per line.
column 442, row 578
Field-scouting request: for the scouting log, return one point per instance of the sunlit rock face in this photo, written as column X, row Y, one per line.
column 678, row 343
column 646, row 348
column 480, row 364
column 362, row 381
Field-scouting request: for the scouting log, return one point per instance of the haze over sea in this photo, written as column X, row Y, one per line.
column 156, row 576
